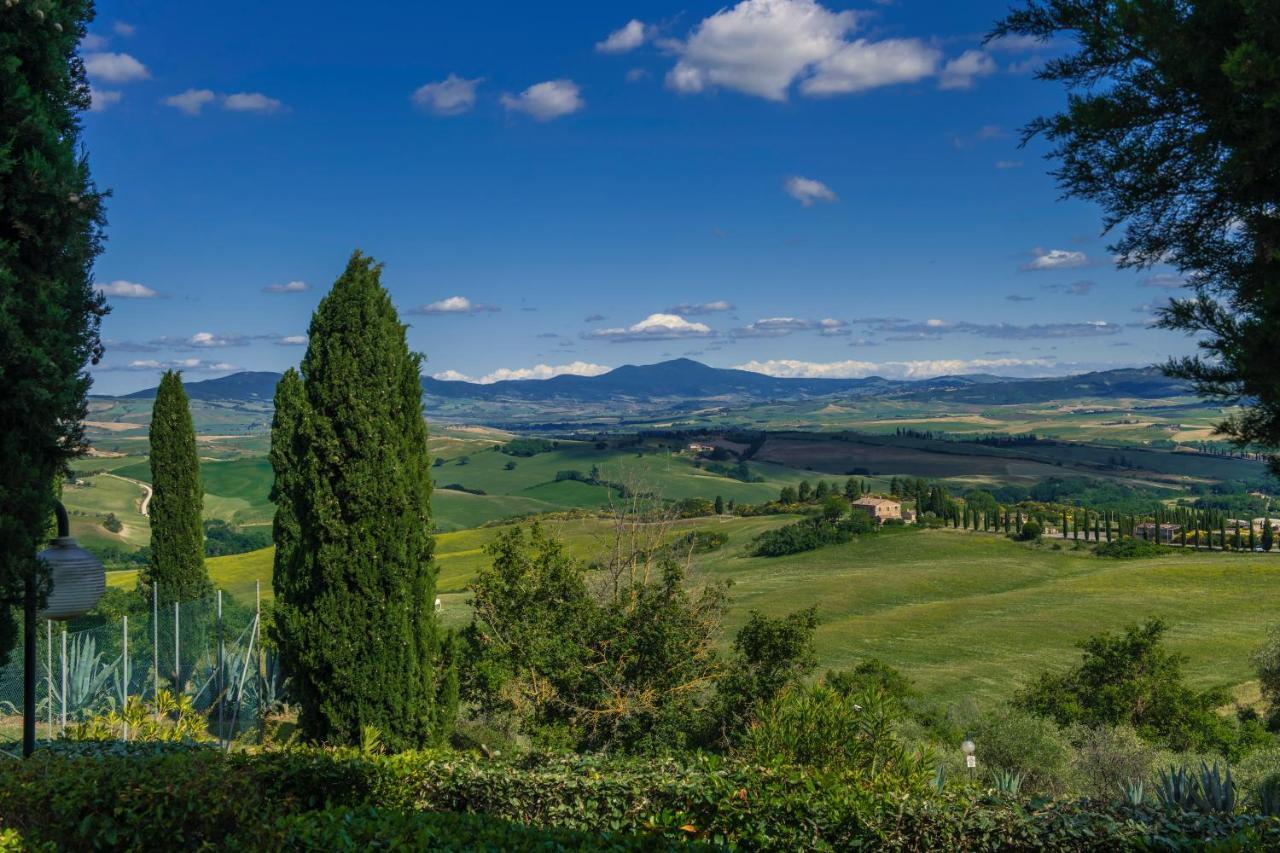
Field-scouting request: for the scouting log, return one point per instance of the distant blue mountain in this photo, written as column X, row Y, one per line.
column 683, row 379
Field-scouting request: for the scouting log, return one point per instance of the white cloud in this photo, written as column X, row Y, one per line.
column 628, row 37
column 120, row 28
column 759, row 47
column 449, row 97
column 635, row 75
column 115, row 67
column 655, row 327
column 763, row 47
column 1055, row 259
column 1167, row 281
column 538, row 371
column 853, row 369
column 292, row 341
column 863, row 65
column 208, row 340
column 547, row 100
column 251, row 102
column 453, row 305
column 189, row 364
column 959, row 73
column 807, row 190
column 100, row 99
column 93, row 42
column 686, row 309
column 286, row 287
column 191, row 101
column 127, row 290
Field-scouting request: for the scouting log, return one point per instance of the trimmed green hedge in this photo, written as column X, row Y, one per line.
column 309, row 798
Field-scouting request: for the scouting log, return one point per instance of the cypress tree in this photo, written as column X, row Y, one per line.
column 354, row 575
column 51, row 220
column 177, row 529
column 1268, row 535
column 719, row 505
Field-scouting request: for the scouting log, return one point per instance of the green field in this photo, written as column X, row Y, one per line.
column 968, row 616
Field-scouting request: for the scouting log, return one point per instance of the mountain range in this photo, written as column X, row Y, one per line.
column 684, row 380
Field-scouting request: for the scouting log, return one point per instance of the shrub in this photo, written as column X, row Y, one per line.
column 1108, row 758
column 528, row 446
column 112, row 523
column 817, row 726
column 810, row 534
column 1011, row 740
column 1131, row 549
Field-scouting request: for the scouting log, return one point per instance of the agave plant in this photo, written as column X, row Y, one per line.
column 1008, row 782
column 86, row 676
column 940, row 779
column 1215, row 792
column 1134, row 792
column 1267, row 796
column 1175, row 789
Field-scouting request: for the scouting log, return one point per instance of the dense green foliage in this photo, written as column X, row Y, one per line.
column 176, row 560
column 161, row 799
column 528, row 446
column 221, row 539
column 1173, row 126
column 623, row 663
column 1131, row 549
column 353, row 576
column 811, row 533
column 51, row 218
column 1132, row 680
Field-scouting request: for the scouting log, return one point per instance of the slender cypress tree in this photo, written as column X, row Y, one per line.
column 354, row 575
column 51, row 220
column 1267, row 534
column 177, row 528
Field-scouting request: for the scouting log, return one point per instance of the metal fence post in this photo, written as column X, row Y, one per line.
column 64, row 680
column 222, row 681
column 177, row 652
column 48, row 670
column 124, row 661
column 155, row 640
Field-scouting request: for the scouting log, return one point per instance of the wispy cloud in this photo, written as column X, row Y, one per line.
column 191, row 102
column 538, row 371
column 286, row 287
column 251, row 102
column 448, row 97
column 205, row 340
column 961, row 72
column 192, row 365
column 808, row 191
column 687, row 309
column 454, row 305
column 1055, row 259
column 100, row 99
column 626, row 38
column 921, row 369
column 777, row 327
column 292, row 341
column 547, row 100
column 121, row 289
column 115, row 68
column 904, row 330
column 655, row 327
column 1165, row 281
column 1075, row 288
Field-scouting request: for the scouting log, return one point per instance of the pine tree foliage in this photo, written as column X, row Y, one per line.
column 51, row 219
column 354, row 576
column 177, row 530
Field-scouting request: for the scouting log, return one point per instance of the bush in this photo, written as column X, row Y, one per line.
column 1012, row 740
column 810, row 534
column 1107, row 758
column 112, row 523
column 527, row 447
column 165, row 799
column 1131, row 549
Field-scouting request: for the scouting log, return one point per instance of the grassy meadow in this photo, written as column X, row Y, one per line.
column 966, row 615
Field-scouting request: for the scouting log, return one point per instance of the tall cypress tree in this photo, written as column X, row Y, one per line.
column 177, row 529
column 51, row 219
column 354, row 576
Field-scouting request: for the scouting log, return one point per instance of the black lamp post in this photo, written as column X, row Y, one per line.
column 77, row 582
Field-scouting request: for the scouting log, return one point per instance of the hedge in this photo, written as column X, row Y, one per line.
column 311, row 798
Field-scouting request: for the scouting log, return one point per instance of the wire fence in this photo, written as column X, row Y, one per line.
column 209, row 650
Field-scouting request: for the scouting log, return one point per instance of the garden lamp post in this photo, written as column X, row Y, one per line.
column 970, row 760
column 77, row 581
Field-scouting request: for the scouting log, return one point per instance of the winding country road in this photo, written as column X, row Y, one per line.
column 146, row 489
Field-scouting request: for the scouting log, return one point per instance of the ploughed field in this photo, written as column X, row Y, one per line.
column 966, row 615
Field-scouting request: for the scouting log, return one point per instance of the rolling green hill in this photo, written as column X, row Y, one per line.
column 968, row 616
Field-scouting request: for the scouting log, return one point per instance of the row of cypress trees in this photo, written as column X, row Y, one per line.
column 354, row 575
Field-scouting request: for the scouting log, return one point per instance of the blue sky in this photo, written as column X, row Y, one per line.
column 796, row 187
